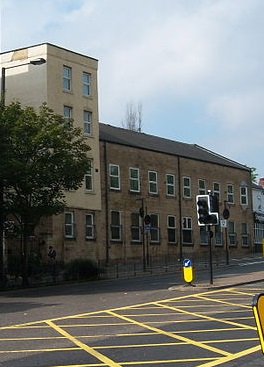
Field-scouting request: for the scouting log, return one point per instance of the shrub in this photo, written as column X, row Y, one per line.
column 14, row 266
column 81, row 269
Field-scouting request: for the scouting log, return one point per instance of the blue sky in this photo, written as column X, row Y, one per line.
column 195, row 65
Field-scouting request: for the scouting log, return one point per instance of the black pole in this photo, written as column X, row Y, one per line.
column 227, row 249
column 143, row 236
column 2, row 255
column 210, row 253
column 3, row 87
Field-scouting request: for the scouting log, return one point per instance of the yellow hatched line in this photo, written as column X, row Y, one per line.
column 245, row 293
column 169, row 334
column 148, row 305
column 222, row 302
column 207, row 317
column 163, row 361
column 232, row 357
column 83, row 365
column 83, row 346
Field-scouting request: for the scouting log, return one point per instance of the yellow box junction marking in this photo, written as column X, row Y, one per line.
column 178, row 305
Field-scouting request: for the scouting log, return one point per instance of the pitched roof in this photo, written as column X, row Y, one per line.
column 144, row 141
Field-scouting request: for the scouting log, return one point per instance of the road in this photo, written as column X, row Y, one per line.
column 149, row 321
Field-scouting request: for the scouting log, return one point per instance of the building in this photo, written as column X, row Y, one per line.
column 258, row 211
column 162, row 178
column 67, row 82
column 139, row 197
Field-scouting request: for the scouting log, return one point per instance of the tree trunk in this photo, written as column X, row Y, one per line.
column 25, row 282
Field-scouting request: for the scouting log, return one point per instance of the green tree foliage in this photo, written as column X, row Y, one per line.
column 42, row 155
column 254, row 174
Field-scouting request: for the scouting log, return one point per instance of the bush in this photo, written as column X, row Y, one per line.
column 81, row 269
column 14, row 266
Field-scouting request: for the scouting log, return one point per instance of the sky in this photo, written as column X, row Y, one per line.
column 195, row 66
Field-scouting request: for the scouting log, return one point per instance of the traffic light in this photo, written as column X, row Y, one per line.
column 147, row 219
column 205, row 215
column 202, row 202
column 141, row 212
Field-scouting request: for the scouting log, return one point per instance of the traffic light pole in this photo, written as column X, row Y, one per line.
column 210, row 253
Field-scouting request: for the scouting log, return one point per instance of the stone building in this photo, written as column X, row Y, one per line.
column 138, row 199
column 67, row 82
column 141, row 172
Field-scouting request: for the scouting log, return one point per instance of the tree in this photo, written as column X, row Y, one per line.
column 133, row 118
column 254, row 174
column 44, row 156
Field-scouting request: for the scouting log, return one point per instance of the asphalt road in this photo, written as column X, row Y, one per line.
column 24, row 305
column 150, row 321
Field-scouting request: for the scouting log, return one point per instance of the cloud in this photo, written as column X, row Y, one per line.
column 196, row 66
column 239, row 110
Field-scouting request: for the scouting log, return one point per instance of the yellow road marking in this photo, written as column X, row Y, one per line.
column 206, row 362
column 83, row 346
column 207, row 317
column 223, row 360
column 222, row 302
column 172, row 335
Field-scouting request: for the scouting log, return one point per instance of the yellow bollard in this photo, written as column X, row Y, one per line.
column 258, row 311
column 188, row 271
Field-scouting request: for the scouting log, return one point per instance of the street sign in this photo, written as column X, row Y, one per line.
column 258, row 310
column 223, row 223
column 187, row 263
column 226, row 213
column 187, row 270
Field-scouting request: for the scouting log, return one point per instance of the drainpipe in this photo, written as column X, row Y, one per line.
column 180, row 207
column 106, row 205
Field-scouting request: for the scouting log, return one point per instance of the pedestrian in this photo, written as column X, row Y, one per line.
column 52, row 257
column 52, row 253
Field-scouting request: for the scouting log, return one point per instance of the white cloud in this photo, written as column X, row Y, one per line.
column 204, row 54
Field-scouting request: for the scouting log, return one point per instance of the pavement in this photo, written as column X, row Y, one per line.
column 226, row 281
column 228, row 275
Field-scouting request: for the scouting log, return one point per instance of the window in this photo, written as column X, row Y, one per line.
column 216, row 189
column 88, row 178
column 187, row 230
column 203, row 235
column 69, row 225
column 186, row 187
column 171, row 228
column 218, row 236
column 67, row 113
column 134, row 179
column 115, row 225
column 67, row 78
column 89, row 226
column 201, row 187
column 230, row 194
column 135, row 228
column 243, row 195
column 86, row 84
column 232, row 234
column 87, row 122
column 170, row 185
column 153, row 182
column 114, row 176
column 154, row 229
column 245, row 235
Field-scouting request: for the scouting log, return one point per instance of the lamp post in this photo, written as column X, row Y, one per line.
column 38, row 61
